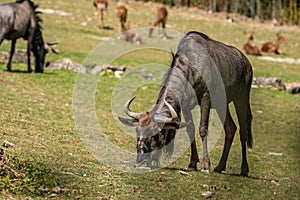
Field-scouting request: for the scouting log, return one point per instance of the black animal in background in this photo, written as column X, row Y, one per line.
column 22, row 20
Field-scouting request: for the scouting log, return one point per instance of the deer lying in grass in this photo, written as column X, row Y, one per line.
column 273, row 47
column 101, row 7
column 122, row 16
column 249, row 48
column 161, row 18
column 131, row 37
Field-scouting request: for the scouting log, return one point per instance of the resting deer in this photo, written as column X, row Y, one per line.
column 251, row 49
column 101, row 7
column 161, row 18
column 131, row 37
column 122, row 16
column 273, row 47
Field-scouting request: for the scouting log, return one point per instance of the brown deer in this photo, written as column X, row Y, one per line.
column 161, row 18
column 131, row 37
column 122, row 16
column 249, row 48
column 101, row 7
column 273, row 47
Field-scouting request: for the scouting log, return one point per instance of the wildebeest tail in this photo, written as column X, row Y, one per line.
column 249, row 130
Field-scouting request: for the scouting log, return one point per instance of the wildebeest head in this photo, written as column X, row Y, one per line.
column 40, row 50
column 154, row 130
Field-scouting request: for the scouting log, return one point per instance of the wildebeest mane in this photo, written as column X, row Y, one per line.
column 37, row 13
column 198, row 33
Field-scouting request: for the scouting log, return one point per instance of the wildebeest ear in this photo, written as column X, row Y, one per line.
column 128, row 122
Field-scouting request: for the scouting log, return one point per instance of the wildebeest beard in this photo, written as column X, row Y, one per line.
column 151, row 149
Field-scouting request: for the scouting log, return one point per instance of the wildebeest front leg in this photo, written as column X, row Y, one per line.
column 29, row 48
column 191, row 133
column 205, row 110
column 12, row 51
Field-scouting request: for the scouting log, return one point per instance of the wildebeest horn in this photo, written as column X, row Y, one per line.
column 163, row 119
column 48, row 45
column 129, row 112
column 172, row 111
column 57, row 41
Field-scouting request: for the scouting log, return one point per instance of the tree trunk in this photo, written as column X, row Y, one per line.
column 295, row 13
column 291, row 13
column 258, row 9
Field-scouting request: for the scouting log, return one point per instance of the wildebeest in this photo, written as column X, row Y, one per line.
column 101, row 7
column 21, row 19
column 271, row 47
column 161, row 18
column 193, row 65
column 122, row 16
column 249, row 48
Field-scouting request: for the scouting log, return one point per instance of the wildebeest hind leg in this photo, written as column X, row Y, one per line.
column 191, row 133
column 230, row 129
column 242, row 109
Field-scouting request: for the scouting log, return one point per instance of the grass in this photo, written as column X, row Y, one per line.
column 36, row 115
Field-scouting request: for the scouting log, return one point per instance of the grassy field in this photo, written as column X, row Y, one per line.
column 37, row 116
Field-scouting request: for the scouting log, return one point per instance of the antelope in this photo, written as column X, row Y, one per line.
column 122, row 16
column 273, row 47
column 251, row 49
column 101, row 7
column 161, row 18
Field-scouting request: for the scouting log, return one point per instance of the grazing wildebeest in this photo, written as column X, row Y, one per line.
column 101, row 7
column 21, row 19
column 122, row 16
column 161, row 18
column 271, row 47
column 249, row 48
column 192, row 65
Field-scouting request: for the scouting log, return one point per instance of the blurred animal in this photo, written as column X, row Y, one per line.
column 273, row 47
column 131, row 37
column 249, row 48
column 122, row 16
column 229, row 19
column 192, row 80
column 161, row 18
column 21, row 20
column 101, row 7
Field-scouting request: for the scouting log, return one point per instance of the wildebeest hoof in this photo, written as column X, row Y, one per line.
column 219, row 169
column 191, row 169
column 205, row 171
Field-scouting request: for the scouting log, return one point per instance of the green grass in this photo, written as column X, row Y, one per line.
column 36, row 115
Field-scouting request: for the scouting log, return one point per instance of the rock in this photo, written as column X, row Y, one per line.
column 275, row 154
column 263, row 82
column 7, row 144
column 207, row 194
column 68, row 64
